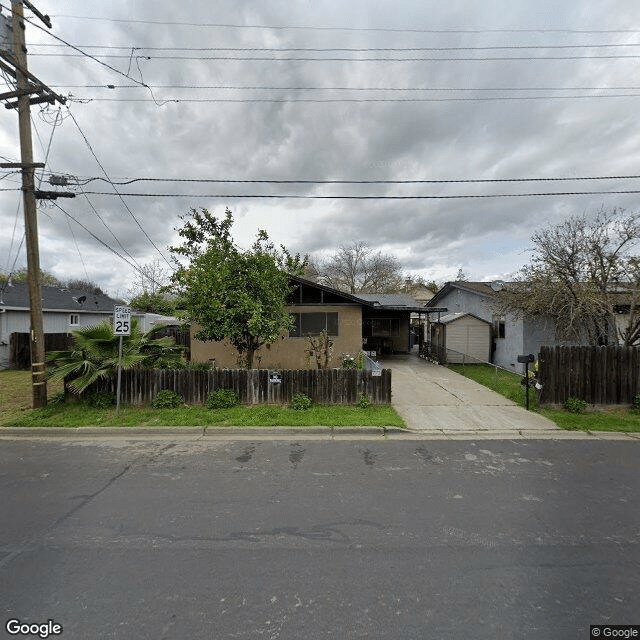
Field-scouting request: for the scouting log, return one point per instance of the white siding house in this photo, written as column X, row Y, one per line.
column 63, row 311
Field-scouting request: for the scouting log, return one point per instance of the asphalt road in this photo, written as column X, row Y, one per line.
column 160, row 539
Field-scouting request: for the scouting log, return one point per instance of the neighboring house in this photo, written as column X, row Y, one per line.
column 63, row 311
column 374, row 322
column 419, row 292
column 510, row 336
column 461, row 337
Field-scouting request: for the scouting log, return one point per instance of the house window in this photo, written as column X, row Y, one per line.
column 498, row 326
column 74, row 319
column 381, row 328
column 311, row 324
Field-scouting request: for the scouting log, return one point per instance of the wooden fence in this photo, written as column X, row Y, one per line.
column 335, row 386
column 20, row 347
column 599, row 375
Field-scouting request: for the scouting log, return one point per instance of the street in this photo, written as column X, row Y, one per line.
column 175, row 538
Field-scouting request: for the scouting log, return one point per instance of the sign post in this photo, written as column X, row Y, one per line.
column 121, row 327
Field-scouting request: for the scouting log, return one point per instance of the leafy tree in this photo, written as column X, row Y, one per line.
column 85, row 285
column 154, row 303
column 95, row 354
column 582, row 275
column 21, row 276
column 229, row 292
column 356, row 268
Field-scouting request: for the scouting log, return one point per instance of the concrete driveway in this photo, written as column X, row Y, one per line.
column 431, row 397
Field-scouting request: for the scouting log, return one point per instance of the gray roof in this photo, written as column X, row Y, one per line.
column 389, row 299
column 55, row 299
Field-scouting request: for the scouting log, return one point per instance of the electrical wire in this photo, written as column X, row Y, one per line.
column 112, row 87
column 458, row 181
column 84, row 137
column 340, row 49
column 95, row 237
column 163, row 101
column 355, row 29
column 340, row 197
column 330, row 59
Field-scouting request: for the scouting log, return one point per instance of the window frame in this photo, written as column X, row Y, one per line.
column 297, row 332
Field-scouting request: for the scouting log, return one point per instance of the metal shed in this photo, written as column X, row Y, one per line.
column 463, row 337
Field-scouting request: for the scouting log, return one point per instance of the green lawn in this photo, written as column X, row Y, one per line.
column 15, row 400
column 79, row 415
column 508, row 384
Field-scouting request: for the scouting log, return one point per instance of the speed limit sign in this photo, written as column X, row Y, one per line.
column 121, row 320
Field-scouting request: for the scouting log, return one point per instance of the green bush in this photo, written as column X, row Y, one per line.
column 222, row 399
column 57, row 400
column 636, row 404
column 300, row 402
column 349, row 362
column 198, row 366
column 167, row 399
column 101, row 399
column 364, row 402
column 575, row 405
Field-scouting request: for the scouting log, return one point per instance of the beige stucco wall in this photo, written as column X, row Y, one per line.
column 287, row 352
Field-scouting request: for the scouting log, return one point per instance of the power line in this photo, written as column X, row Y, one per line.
column 137, row 48
column 335, row 88
column 162, row 101
column 339, row 197
column 331, row 59
column 457, row 181
column 68, row 44
column 95, row 237
column 84, row 137
column 338, row 28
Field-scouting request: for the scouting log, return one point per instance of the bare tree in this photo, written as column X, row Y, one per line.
column 356, row 268
column 585, row 276
column 151, row 277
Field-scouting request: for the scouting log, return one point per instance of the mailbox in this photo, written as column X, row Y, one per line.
column 527, row 358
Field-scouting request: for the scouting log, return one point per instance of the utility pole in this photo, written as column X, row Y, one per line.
column 26, row 86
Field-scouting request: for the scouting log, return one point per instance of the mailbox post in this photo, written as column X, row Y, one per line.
column 526, row 360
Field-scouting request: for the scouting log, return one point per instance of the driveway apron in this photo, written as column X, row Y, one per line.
column 431, row 397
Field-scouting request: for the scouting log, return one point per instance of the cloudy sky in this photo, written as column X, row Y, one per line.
column 467, row 95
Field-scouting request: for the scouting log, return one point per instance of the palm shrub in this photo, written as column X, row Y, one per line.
column 94, row 354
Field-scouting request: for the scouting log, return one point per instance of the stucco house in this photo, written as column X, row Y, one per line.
column 373, row 322
column 510, row 335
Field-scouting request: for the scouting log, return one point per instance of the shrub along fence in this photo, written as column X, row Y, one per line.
column 254, row 386
column 599, row 375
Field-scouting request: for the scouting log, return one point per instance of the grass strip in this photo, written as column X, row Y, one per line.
column 508, row 385
column 73, row 415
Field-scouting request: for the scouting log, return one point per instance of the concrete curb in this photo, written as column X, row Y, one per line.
column 394, row 433
column 194, row 431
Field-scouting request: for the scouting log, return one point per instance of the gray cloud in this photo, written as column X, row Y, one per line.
column 439, row 140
